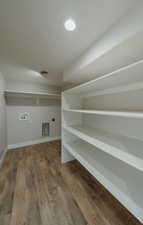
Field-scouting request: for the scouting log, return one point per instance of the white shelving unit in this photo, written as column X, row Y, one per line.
column 102, row 167
column 34, row 98
column 109, row 113
column 124, row 148
column 102, row 127
column 123, row 79
column 21, row 94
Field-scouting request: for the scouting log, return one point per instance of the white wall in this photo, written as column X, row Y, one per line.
column 19, row 131
column 3, row 142
column 17, row 85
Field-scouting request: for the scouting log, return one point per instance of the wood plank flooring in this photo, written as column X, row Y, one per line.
column 35, row 189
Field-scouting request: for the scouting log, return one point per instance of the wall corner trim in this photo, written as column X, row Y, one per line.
column 3, row 156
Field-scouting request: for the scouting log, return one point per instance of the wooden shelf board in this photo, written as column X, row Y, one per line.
column 128, row 150
column 129, row 114
column 12, row 93
column 124, row 76
column 100, row 167
column 118, row 89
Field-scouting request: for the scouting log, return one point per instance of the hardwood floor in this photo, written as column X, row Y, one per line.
column 35, row 189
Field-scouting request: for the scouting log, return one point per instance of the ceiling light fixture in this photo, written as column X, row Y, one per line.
column 70, row 25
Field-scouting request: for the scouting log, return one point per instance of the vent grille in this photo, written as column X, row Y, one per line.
column 45, row 129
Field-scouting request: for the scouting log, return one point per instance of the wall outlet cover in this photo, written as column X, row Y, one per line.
column 24, row 116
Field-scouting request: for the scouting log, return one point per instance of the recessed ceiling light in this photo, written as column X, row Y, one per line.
column 70, row 25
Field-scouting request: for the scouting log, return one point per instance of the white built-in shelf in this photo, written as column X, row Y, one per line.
column 109, row 146
column 129, row 114
column 109, row 173
column 124, row 79
column 24, row 94
column 129, row 150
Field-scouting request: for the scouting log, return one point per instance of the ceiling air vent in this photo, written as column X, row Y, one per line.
column 44, row 73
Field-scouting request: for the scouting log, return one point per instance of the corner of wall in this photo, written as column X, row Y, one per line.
column 3, row 135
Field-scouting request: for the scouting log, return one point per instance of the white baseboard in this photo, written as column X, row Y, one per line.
column 28, row 143
column 2, row 157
